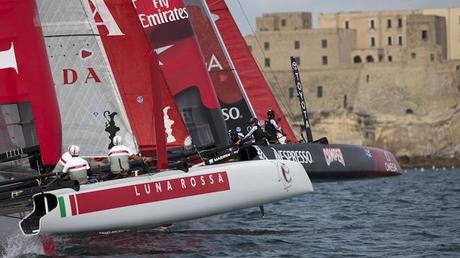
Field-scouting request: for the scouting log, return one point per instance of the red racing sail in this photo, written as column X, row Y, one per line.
column 135, row 68
column 167, row 26
column 29, row 112
column 235, row 107
column 253, row 81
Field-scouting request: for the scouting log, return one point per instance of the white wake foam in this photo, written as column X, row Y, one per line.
column 16, row 244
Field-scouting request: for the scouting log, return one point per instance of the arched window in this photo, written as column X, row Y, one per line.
column 369, row 59
column 357, row 60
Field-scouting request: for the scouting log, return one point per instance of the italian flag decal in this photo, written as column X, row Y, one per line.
column 67, row 205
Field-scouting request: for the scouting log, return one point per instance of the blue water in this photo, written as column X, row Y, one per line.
column 414, row 215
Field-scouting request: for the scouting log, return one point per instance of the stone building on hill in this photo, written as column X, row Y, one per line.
column 388, row 79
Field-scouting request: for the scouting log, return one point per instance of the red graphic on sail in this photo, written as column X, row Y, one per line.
column 167, row 26
column 135, row 67
column 25, row 78
column 235, row 109
column 254, row 83
column 224, row 82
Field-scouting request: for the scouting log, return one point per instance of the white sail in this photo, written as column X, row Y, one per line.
column 90, row 104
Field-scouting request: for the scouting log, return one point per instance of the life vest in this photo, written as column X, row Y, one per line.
column 259, row 136
column 119, row 159
column 271, row 131
column 77, row 168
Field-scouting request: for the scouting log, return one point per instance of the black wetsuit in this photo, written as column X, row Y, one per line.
column 258, row 134
column 271, row 132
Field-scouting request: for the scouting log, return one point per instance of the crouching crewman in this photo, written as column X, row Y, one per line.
column 76, row 168
column 119, row 156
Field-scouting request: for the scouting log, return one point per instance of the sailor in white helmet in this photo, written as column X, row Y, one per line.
column 119, row 156
column 76, row 167
column 63, row 160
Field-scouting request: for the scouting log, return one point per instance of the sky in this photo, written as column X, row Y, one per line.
column 253, row 8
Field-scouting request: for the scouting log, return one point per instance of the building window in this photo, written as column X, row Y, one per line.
column 372, row 41
column 324, row 43
column 388, row 23
column 291, row 92
column 432, row 57
column 324, row 60
column 347, row 24
column 319, row 91
column 297, row 59
column 400, row 24
column 296, row 44
column 380, row 58
column 389, row 41
column 369, row 59
column 372, row 24
column 413, row 55
column 283, row 23
column 424, row 35
column 390, row 59
column 400, row 41
column 266, row 45
column 267, row 62
column 357, row 60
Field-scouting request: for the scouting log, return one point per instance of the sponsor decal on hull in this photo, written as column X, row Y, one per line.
column 83, row 203
column 333, row 154
column 303, row 157
column 389, row 164
column 285, row 177
column 368, row 152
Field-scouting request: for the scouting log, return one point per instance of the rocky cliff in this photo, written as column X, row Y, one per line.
column 413, row 110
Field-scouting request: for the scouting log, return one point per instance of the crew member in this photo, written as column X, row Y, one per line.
column 238, row 131
column 63, row 160
column 256, row 132
column 119, row 156
column 76, row 168
column 272, row 128
column 234, row 138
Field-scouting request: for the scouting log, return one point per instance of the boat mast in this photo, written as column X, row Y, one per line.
column 303, row 104
column 162, row 159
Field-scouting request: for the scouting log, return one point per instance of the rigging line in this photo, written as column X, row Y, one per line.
column 277, row 84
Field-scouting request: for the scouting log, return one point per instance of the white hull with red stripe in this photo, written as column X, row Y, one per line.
column 166, row 197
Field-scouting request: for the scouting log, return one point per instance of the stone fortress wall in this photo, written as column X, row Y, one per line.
column 408, row 104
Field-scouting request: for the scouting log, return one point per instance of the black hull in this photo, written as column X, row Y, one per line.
column 332, row 162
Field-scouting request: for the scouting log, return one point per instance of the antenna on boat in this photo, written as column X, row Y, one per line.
column 303, row 104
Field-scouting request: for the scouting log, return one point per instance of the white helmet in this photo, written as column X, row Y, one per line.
column 117, row 140
column 74, row 150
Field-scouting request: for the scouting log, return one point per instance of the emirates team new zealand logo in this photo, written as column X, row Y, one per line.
column 110, row 126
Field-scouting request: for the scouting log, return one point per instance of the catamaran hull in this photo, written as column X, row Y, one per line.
column 166, row 197
column 331, row 162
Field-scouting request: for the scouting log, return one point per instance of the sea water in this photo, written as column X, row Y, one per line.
column 413, row 215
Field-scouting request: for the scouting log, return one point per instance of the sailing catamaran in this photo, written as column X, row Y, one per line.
column 231, row 56
column 94, row 96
